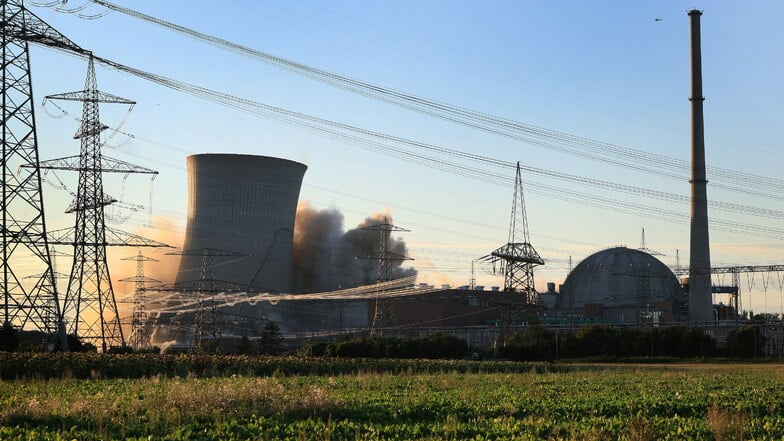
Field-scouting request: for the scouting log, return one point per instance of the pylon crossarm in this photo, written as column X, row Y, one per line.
column 90, row 205
column 22, row 235
column 519, row 253
column 64, row 236
column 733, row 269
column 67, row 236
column 112, row 165
column 121, row 238
column 391, row 255
column 87, row 96
column 140, row 259
column 139, row 279
column 66, row 163
column 26, row 26
column 108, row 165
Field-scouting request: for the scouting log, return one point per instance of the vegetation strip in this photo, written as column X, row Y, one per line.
column 90, row 365
column 710, row 402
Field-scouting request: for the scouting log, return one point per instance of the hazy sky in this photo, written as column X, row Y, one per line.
column 610, row 71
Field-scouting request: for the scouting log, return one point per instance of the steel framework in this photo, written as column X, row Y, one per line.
column 89, row 301
column 644, row 246
column 735, row 272
column 140, row 330
column 207, row 284
column 383, row 311
column 28, row 301
column 518, row 257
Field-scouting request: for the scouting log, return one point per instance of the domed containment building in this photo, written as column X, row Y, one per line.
column 623, row 285
column 242, row 204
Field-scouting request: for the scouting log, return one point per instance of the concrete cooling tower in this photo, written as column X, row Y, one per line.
column 242, row 204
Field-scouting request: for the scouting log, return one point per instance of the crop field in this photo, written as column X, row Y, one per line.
column 675, row 402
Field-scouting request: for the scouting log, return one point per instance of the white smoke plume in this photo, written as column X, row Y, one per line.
column 327, row 258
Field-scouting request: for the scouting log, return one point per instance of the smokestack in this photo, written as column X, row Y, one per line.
column 700, row 298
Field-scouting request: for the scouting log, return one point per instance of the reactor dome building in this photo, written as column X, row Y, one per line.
column 241, row 211
column 624, row 285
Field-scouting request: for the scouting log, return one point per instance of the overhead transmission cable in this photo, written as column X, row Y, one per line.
column 528, row 133
column 317, row 124
column 323, row 126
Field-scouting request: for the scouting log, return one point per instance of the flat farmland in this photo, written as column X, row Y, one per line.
column 635, row 402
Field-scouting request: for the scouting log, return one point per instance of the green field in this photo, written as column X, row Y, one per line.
column 582, row 402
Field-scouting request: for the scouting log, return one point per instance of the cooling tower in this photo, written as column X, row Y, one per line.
column 241, row 204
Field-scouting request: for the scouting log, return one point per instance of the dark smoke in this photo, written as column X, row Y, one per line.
column 326, row 258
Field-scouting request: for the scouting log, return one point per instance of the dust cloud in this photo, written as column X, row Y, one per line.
column 326, row 258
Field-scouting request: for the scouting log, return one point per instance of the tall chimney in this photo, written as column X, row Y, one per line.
column 700, row 298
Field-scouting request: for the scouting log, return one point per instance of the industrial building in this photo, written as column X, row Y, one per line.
column 239, row 237
column 615, row 285
column 623, row 285
column 241, row 214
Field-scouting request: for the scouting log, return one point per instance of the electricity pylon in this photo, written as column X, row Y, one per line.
column 384, row 312
column 644, row 246
column 89, row 302
column 26, row 302
column 518, row 257
column 207, row 285
column 140, row 330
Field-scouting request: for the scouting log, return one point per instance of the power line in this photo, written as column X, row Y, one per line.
column 531, row 134
column 317, row 124
column 462, row 170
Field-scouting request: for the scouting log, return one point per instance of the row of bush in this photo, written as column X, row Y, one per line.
column 65, row 365
column 604, row 341
column 536, row 343
column 437, row 346
column 12, row 340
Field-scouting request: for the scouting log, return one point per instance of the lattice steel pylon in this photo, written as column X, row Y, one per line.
column 518, row 257
column 26, row 302
column 384, row 312
column 89, row 302
column 644, row 246
column 207, row 285
column 140, row 329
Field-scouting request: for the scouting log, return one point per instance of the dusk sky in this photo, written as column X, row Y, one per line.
column 614, row 73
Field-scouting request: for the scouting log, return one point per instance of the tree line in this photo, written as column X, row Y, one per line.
column 537, row 343
column 605, row 341
column 533, row 343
